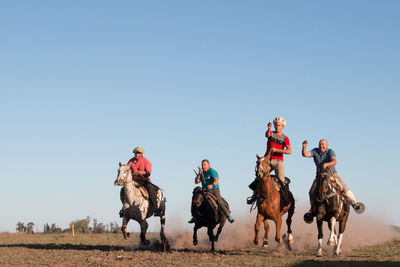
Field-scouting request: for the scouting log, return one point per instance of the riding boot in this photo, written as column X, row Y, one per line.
column 253, row 198
column 285, row 194
column 153, row 198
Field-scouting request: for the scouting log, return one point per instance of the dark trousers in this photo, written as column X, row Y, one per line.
column 220, row 202
column 152, row 189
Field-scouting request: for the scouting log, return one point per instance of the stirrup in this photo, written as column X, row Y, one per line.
column 359, row 207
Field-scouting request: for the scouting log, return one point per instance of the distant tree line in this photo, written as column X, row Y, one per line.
column 80, row 226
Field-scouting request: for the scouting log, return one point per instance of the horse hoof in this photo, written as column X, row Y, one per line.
column 265, row 244
column 256, row 242
column 290, row 239
column 128, row 234
column 146, row 242
column 331, row 243
column 319, row 253
column 195, row 242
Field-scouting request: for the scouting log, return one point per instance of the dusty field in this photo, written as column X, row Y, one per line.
column 112, row 250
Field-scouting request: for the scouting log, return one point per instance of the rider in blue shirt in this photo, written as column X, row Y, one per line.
column 210, row 182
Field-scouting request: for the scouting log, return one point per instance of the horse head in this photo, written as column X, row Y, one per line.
column 262, row 166
column 322, row 190
column 124, row 174
column 198, row 196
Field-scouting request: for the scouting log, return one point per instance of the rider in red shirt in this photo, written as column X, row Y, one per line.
column 278, row 144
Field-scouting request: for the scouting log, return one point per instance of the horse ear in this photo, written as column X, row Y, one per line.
column 258, row 157
column 120, row 164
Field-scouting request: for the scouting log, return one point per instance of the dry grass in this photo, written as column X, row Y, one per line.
column 112, row 250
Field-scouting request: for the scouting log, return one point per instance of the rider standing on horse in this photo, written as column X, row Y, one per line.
column 326, row 158
column 210, row 182
column 278, row 144
column 141, row 171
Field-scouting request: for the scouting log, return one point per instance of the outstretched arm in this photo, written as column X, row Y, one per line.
column 304, row 151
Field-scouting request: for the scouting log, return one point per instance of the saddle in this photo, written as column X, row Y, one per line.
column 212, row 200
column 141, row 188
column 277, row 182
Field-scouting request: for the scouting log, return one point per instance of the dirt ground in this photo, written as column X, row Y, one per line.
column 112, row 250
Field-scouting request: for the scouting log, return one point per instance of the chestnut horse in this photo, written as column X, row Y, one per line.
column 330, row 208
column 269, row 204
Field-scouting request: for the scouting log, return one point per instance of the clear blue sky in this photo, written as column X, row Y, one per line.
column 84, row 82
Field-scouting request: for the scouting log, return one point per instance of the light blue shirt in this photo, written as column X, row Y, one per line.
column 320, row 159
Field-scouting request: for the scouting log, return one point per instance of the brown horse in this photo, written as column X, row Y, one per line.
column 269, row 204
column 206, row 216
column 330, row 207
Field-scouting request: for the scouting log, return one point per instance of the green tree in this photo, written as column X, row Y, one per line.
column 29, row 227
column 21, row 227
column 98, row 227
column 81, row 226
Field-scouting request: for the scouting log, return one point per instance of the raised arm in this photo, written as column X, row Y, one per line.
column 304, row 151
column 268, row 132
column 197, row 178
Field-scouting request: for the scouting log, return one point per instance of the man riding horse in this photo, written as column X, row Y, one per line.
column 210, row 182
column 278, row 144
column 325, row 158
column 141, row 171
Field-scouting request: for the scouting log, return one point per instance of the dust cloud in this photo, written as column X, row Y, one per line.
column 362, row 230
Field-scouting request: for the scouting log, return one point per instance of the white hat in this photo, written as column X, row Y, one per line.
column 138, row 150
column 281, row 120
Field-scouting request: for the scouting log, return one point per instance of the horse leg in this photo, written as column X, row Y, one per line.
column 210, row 232
column 278, row 225
column 162, row 234
column 290, row 238
column 266, row 230
column 342, row 227
column 257, row 225
column 218, row 232
column 332, row 236
column 195, row 242
column 320, row 236
column 143, row 230
column 124, row 228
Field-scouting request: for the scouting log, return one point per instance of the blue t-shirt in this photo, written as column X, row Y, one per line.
column 208, row 179
column 320, row 159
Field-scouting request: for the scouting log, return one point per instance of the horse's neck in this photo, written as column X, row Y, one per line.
column 266, row 187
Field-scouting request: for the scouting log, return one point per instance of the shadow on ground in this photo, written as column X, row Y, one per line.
column 346, row 263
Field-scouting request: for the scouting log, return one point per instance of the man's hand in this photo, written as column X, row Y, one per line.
column 305, row 143
column 269, row 125
column 141, row 172
column 115, row 182
column 273, row 150
column 325, row 165
column 210, row 186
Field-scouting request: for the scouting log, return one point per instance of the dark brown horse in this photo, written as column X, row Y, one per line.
column 206, row 215
column 269, row 204
column 330, row 207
